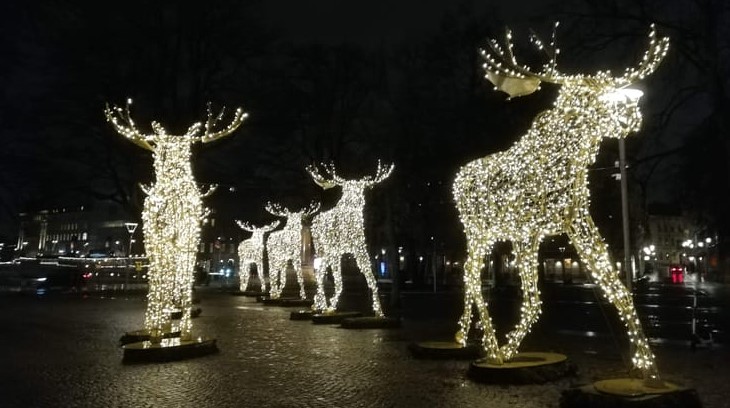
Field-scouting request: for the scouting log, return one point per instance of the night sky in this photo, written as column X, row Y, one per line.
column 348, row 82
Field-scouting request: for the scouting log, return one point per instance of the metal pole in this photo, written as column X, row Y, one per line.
column 129, row 265
column 625, row 211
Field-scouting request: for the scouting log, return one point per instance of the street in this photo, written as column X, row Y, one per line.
column 61, row 350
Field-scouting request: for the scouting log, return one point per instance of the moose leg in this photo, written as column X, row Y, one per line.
column 245, row 275
column 590, row 246
column 320, row 298
column 187, row 273
column 336, row 265
column 283, row 268
column 363, row 263
column 276, row 281
column 260, row 271
column 473, row 297
column 526, row 258
column 156, row 303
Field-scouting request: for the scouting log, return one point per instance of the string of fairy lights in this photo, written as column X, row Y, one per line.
column 172, row 214
column 284, row 246
column 340, row 231
column 251, row 251
column 539, row 187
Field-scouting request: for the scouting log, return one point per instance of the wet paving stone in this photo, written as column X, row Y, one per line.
column 63, row 351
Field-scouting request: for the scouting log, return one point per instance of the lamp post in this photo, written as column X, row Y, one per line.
column 625, row 212
column 131, row 227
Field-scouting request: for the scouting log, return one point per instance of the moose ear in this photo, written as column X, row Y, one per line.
column 513, row 86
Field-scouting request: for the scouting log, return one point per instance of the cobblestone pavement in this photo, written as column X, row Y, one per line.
column 62, row 351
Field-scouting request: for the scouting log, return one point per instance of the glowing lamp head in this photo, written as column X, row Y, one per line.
column 627, row 96
column 622, row 104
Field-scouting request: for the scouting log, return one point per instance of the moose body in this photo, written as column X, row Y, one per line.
column 171, row 237
column 539, row 187
column 542, row 179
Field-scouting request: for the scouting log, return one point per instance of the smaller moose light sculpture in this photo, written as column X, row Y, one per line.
column 539, row 187
column 251, row 251
column 285, row 245
column 341, row 230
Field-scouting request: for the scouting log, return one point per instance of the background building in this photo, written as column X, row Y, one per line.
column 96, row 228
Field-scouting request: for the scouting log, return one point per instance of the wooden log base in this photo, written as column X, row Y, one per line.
column 169, row 349
column 371, row 322
column 305, row 314
column 524, row 368
column 444, row 350
column 333, row 317
column 630, row 393
column 142, row 335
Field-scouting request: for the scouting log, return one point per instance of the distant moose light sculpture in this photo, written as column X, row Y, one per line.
column 341, row 230
column 251, row 251
column 172, row 213
column 285, row 245
column 539, row 187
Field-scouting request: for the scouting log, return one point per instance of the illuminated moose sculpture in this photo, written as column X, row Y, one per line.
column 341, row 230
column 539, row 187
column 172, row 213
column 285, row 245
column 251, row 251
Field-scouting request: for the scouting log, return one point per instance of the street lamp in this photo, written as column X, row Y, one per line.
column 131, row 227
column 625, row 211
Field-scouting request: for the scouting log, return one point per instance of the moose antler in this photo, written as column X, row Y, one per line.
column 312, row 208
column 122, row 122
column 145, row 188
column 382, row 173
column 329, row 179
column 209, row 135
column 652, row 57
column 211, row 189
column 509, row 76
column 277, row 209
column 251, row 228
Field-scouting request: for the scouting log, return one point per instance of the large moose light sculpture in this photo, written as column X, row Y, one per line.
column 539, row 187
column 341, row 230
column 173, row 211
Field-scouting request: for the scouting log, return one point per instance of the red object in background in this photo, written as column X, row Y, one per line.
column 677, row 273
